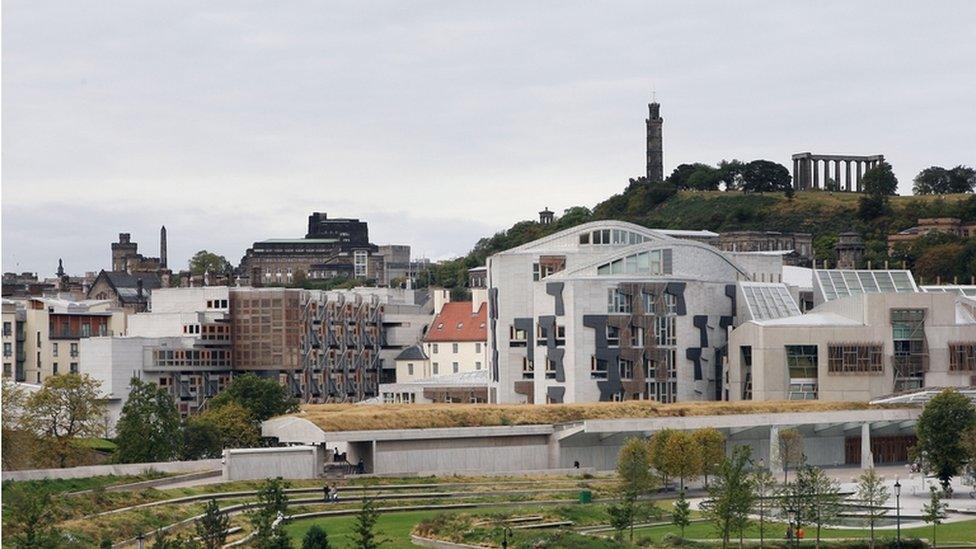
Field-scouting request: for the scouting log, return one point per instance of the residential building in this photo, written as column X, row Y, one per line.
column 930, row 225
column 610, row 310
column 798, row 246
column 332, row 248
column 14, row 337
column 873, row 333
column 129, row 291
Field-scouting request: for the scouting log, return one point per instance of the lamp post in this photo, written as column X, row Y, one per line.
column 790, row 517
column 507, row 534
column 897, row 513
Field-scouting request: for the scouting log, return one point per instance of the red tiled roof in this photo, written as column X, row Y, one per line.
column 456, row 322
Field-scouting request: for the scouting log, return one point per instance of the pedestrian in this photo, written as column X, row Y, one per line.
column 335, row 493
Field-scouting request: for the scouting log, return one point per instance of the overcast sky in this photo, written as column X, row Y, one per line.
column 437, row 122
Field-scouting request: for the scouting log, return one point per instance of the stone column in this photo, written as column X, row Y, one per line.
column 837, row 174
column 847, row 175
column 867, row 460
column 796, row 174
column 816, row 173
column 860, row 172
column 773, row 462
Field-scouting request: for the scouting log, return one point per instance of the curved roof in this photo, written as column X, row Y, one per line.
column 647, row 246
column 586, row 227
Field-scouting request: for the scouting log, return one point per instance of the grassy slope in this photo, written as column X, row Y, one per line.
column 339, row 417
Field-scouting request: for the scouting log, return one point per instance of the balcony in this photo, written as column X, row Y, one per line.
column 79, row 334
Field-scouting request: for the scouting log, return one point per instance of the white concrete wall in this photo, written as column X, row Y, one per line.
column 470, row 356
column 291, row 462
column 184, row 300
column 484, row 454
column 115, row 469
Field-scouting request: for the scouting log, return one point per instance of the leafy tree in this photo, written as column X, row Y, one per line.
column 938, row 180
column 262, row 397
column 633, row 470
column 161, row 541
column 683, row 458
column 873, row 493
column 29, row 517
column 201, row 439
column 823, row 500
column 13, row 444
column 364, row 530
column 234, row 423
column 790, row 450
column 730, row 497
column 732, row 171
column 106, row 543
column 934, row 512
column 705, row 178
column 621, row 519
column 680, row 176
column 763, row 176
column 212, row 527
column 880, row 181
column 764, row 486
column 681, row 513
column 149, row 428
column 871, row 207
column 658, row 454
column 939, row 445
column 962, row 179
column 315, row 538
column 272, row 503
column 209, row 262
column 67, row 407
column 711, row 448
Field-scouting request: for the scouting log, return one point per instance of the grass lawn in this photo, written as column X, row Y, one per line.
column 60, row 486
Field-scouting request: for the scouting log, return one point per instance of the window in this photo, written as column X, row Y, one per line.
column 626, row 369
column 636, row 336
column 6, row 369
column 360, row 263
column 598, row 367
column 664, row 332
column 643, row 263
column 410, row 369
column 527, row 368
column 477, row 347
column 613, row 336
column 550, row 369
column 854, row 358
column 74, row 367
column 6, row 328
column 962, row 357
column 560, row 335
column 454, row 348
column 454, row 367
column 38, row 340
column 618, row 302
column 434, row 368
column 54, row 349
column 74, row 350
column 477, row 365
column 584, row 238
column 433, row 348
column 745, row 363
column 536, row 272
column 647, row 299
column 801, row 363
column 55, row 368
column 910, row 359
column 517, row 337
column 7, row 349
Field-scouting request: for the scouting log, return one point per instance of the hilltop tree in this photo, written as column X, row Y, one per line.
column 938, row 180
column 763, row 176
column 67, row 407
column 264, row 398
column 711, row 447
column 681, row 175
column 880, row 181
column 209, row 262
column 149, row 428
column 873, row 493
column 940, row 446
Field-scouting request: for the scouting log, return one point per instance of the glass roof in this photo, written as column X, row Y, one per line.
column 769, row 301
column 969, row 291
column 835, row 283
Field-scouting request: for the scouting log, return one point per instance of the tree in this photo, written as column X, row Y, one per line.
column 657, row 450
column 315, row 538
column 938, row 180
column 149, row 427
column 711, row 448
column 680, row 176
column 264, row 398
column 13, row 444
column 681, row 513
column 364, row 534
column 67, row 407
column 880, row 181
column 621, row 518
column 234, row 423
column 201, row 439
column 732, row 173
column 934, row 511
column 764, row 487
column 790, row 450
column 212, row 527
column 29, row 516
column 940, row 446
column 683, row 458
column 265, row 518
column 871, row 207
column 763, row 176
column 209, row 262
column 823, row 500
column 962, row 179
column 633, row 470
column 730, row 497
column 873, row 493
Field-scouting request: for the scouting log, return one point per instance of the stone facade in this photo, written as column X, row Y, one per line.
column 850, row 250
column 801, row 244
column 655, row 143
column 126, row 256
column 947, row 225
column 813, row 171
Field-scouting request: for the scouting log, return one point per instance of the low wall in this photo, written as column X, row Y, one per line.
column 290, row 462
column 117, row 469
column 478, row 454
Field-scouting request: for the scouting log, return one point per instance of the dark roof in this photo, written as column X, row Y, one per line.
column 414, row 352
column 126, row 284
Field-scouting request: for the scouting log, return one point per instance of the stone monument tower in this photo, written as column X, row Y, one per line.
column 655, row 143
column 850, row 250
column 162, row 247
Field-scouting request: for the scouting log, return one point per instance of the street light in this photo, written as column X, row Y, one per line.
column 898, row 513
column 791, row 531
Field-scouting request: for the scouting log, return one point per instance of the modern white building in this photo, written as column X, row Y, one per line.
column 610, row 310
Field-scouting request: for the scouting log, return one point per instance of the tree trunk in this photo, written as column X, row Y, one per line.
column 872, row 533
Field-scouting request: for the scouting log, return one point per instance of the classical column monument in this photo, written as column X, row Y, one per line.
column 655, row 144
column 807, row 172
